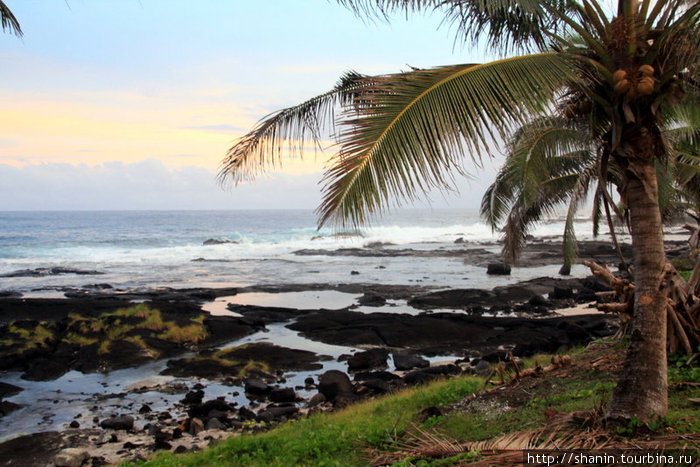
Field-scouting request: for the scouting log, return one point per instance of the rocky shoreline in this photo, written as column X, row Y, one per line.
column 216, row 378
column 392, row 341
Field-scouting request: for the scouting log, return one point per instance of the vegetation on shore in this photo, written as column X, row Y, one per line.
column 402, row 428
column 616, row 74
column 133, row 332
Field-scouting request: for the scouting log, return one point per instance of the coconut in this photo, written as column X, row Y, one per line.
column 623, row 86
column 619, row 75
column 646, row 70
column 646, row 86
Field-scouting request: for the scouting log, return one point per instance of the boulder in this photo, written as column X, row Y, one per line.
column 371, row 299
column 215, row 424
column 377, row 386
column 202, row 411
column 498, row 269
column 380, row 375
column 425, row 375
column 283, row 395
column 372, row 358
column 193, row 397
column 244, row 413
column 257, row 387
column 280, row 412
column 561, row 293
column 333, row 384
column 6, row 407
column 407, row 361
column 196, row 426
column 315, row 400
column 482, row 368
column 121, row 422
column 71, row 457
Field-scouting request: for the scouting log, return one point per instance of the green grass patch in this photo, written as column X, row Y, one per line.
column 32, row 338
column 183, row 334
column 78, row 339
column 685, row 274
column 341, row 438
column 104, row 347
column 331, row 439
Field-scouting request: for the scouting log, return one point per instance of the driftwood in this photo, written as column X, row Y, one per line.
column 682, row 310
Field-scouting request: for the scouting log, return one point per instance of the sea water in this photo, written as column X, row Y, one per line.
column 150, row 249
column 145, row 249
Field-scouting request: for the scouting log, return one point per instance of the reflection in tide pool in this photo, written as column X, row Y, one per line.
column 308, row 300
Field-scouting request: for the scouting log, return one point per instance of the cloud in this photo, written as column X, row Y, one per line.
column 146, row 184
column 221, row 127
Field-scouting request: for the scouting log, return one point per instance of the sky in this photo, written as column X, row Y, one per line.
column 132, row 104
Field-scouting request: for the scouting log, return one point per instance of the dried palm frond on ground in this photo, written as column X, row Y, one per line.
column 508, row 449
column 555, row 430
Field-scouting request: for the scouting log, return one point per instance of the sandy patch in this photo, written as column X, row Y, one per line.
column 578, row 310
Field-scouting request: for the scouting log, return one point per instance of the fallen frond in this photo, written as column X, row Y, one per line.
column 508, row 449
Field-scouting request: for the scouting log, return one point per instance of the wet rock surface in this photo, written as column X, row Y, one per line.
column 457, row 332
column 55, row 271
column 193, row 422
column 230, row 362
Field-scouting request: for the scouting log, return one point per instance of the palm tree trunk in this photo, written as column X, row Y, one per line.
column 642, row 389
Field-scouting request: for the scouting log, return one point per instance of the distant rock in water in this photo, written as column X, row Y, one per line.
column 378, row 244
column 339, row 235
column 371, row 299
column 55, row 271
column 498, row 269
column 215, row 241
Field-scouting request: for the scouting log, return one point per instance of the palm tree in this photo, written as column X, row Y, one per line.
column 552, row 163
column 402, row 134
column 8, row 20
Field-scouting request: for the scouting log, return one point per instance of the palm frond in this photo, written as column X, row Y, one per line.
column 506, row 24
column 578, row 196
column 289, row 129
column 8, row 20
column 421, row 444
column 545, row 162
column 420, row 128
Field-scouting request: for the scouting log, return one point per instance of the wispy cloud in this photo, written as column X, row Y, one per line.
column 146, row 184
column 220, row 127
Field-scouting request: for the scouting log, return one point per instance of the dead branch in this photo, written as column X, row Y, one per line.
column 678, row 328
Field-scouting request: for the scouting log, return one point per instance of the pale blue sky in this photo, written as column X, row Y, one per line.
column 131, row 104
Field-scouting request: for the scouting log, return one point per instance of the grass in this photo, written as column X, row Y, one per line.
column 182, row 334
column 345, row 437
column 253, row 366
column 131, row 324
column 26, row 339
column 334, row 439
column 78, row 339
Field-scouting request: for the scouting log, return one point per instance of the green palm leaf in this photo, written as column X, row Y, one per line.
column 423, row 125
column 8, row 20
column 506, row 24
column 289, row 129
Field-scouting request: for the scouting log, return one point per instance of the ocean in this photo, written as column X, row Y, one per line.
column 146, row 249
column 153, row 249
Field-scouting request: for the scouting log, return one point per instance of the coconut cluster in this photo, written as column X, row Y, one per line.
column 634, row 84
